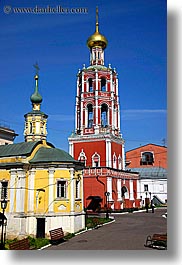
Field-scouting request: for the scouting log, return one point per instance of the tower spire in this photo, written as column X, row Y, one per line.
column 36, row 98
column 97, row 39
column 97, row 20
column 36, row 120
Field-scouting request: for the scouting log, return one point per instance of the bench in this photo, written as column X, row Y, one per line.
column 158, row 241
column 56, row 235
column 22, row 244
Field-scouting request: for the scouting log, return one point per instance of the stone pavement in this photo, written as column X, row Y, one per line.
column 128, row 232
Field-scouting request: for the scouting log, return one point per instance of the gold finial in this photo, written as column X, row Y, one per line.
column 36, row 71
column 97, row 19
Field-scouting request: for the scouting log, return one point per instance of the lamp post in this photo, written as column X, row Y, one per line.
column 3, row 207
column 107, row 204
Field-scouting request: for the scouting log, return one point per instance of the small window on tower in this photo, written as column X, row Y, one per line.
column 104, row 114
column 90, row 85
column 90, row 116
column 103, row 84
column 31, row 127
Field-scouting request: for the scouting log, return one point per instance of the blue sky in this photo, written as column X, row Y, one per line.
column 136, row 33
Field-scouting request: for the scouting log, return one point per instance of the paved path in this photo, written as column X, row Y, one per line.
column 128, row 232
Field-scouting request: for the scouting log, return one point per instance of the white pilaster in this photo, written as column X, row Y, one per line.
column 119, row 189
column 12, row 185
column 31, row 181
column 20, row 194
column 109, row 187
column 123, row 156
column 71, row 149
column 72, row 190
column 108, row 153
column 131, row 189
column 96, row 103
column 51, row 189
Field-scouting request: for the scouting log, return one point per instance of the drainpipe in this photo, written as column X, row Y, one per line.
column 97, row 178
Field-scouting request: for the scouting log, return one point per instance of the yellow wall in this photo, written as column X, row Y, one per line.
column 41, row 191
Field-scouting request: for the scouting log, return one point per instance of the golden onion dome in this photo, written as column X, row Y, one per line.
column 97, row 39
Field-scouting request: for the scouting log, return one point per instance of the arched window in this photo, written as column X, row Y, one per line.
column 147, row 158
column 82, row 157
column 123, row 191
column 104, row 115
column 90, row 116
column 95, row 160
column 114, row 161
column 103, row 84
column 90, row 85
column 119, row 162
column 31, row 127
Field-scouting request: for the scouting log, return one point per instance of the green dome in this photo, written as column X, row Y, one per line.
column 36, row 97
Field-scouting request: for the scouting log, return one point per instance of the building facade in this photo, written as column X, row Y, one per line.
column 149, row 155
column 43, row 184
column 151, row 162
column 7, row 135
column 97, row 140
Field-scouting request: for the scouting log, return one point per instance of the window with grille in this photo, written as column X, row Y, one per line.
column 147, row 158
column 61, row 189
column 146, row 188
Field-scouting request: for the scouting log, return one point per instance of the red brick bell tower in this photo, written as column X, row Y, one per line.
column 97, row 139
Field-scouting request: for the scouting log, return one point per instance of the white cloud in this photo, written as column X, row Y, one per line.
column 61, row 117
column 139, row 114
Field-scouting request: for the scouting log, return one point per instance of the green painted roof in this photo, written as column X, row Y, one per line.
column 19, row 149
column 51, row 155
column 151, row 172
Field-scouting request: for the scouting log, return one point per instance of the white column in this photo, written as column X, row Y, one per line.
column 51, row 190
column 31, row 181
column 123, row 156
column 108, row 153
column 20, row 194
column 118, row 109
column 138, row 189
column 71, row 150
column 12, row 186
column 131, row 189
column 72, row 190
column 96, row 103
column 119, row 189
column 109, row 187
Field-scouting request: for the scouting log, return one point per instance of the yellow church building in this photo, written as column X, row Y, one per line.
column 42, row 184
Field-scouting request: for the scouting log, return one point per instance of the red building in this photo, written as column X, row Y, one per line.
column 97, row 140
column 150, row 155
